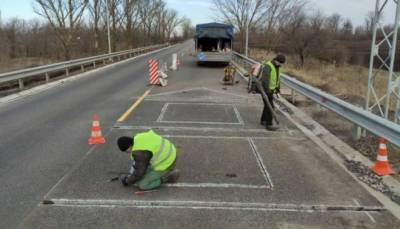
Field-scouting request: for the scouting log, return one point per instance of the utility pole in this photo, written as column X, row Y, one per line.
column 108, row 27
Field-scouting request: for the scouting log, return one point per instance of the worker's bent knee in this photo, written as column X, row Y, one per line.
column 148, row 185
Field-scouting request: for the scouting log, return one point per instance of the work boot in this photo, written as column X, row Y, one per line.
column 272, row 128
column 170, row 177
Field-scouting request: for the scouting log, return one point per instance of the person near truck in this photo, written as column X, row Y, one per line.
column 153, row 160
column 271, row 83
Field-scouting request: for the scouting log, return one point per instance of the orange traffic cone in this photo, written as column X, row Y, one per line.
column 382, row 166
column 96, row 137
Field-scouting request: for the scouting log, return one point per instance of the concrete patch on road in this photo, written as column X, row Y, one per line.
column 201, row 169
column 200, row 113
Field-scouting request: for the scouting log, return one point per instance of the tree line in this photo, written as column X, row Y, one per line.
column 75, row 28
column 294, row 27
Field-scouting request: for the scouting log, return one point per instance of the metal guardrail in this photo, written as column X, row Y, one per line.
column 20, row 75
column 371, row 122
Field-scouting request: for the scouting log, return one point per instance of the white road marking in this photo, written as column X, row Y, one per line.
column 260, row 162
column 199, row 88
column 367, row 213
column 178, row 91
column 207, row 129
column 162, row 113
column 113, row 203
column 219, row 137
column 215, row 185
column 238, row 117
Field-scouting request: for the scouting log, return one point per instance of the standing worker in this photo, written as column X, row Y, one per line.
column 154, row 159
column 271, row 83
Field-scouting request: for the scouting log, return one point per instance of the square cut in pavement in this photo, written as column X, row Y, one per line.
column 200, row 113
column 205, row 164
column 301, row 174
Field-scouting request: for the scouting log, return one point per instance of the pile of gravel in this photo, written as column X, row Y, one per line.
column 367, row 146
column 374, row 181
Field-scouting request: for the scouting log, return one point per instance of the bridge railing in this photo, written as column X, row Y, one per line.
column 367, row 120
column 44, row 71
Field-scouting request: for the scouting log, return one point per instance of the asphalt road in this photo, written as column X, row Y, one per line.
column 234, row 173
column 43, row 136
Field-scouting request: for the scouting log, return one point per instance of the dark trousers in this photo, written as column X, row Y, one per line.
column 266, row 116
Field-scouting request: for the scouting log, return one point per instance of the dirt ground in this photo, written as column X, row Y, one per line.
column 21, row 63
column 350, row 85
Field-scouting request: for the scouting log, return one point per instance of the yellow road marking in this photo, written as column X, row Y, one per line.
column 129, row 111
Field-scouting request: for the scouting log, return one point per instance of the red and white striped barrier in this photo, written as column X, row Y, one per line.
column 153, row 72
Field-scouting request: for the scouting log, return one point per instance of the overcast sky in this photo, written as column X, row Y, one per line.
column 201, row 11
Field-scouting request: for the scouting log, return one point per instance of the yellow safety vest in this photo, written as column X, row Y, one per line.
column 163, row 151
column 274, row 81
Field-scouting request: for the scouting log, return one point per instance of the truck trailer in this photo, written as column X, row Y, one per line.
column 213, row 42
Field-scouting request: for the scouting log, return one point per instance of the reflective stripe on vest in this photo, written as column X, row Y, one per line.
column 163, row 151
column 273, row 80
column 155, row 161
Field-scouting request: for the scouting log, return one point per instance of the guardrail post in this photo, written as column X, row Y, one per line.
column 293, row 96
column 83, row 68
column 119, row 58
column 104, row 62
column 94, row 64
column 47, row 77
column 356, row 132
column 21, row 84
column 66, row 72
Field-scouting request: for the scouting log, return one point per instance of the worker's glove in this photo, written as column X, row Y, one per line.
column 123, row 179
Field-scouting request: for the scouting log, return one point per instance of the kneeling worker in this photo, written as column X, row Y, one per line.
column 154, row 159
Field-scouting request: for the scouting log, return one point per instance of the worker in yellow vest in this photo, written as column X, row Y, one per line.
column 271, row 83
column 153, row 157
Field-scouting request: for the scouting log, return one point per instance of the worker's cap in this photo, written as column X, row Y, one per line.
column 124, row 143
column 280, row 58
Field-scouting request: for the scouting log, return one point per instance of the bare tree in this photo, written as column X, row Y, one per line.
column 131, row 19
column 187, row 28
column 347, row 29
column 241, row 13
column 95, row 8
column 171, row 22
column 146, row 14
column 332, row 23
column 301, row 32
column 116, row 16
column 160, row 15
column 64, row 16
column 370, row 20
column 277, row 12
